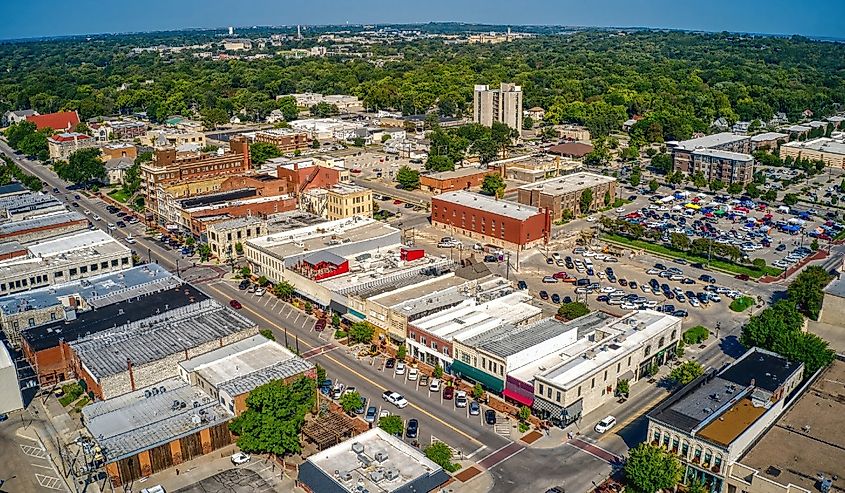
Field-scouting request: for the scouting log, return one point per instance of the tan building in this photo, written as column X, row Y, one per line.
column 118, row 150
column 564, row 193
column 62, row 145
column 345, row 201
column 224, row 235
column 498, row 105
column 284, row 139
column 174, row 137
column 831, row 151
column 573, row 132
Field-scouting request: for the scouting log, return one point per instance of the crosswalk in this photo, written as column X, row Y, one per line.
column 503, row 429
column 49, row 482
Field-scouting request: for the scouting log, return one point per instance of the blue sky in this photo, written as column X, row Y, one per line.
column 32, row 18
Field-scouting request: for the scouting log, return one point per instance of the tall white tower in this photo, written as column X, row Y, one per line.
column 298, row 32
column 231, row 30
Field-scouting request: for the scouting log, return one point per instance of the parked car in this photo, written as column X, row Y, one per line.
column 413, row 428
column 449, row 392
column 605, row 424
column 413, row 374
column 549, row 279
column 544, row 295
column 555, row 298
column 240, row 458
column 395, row 398
column 390, row 363
column 490, row 417
column 474, row 408
column 461, row 398
column 400, row 368
column 243, row 285
column 434, row 386
column 370, row 417
column 522, row 285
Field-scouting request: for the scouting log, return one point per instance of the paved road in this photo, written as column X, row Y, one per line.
column 25, row 464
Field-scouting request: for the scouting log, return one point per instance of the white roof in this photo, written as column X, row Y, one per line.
column 487, row 203
column 711, row 141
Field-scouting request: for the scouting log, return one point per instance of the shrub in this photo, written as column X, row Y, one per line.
column 741, row 304
column 696, row 335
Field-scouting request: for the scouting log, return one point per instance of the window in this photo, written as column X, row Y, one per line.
column 104, row 265
column 656, row 435
column 53, row 316
column 31, row 322
column 674, row 444
column 707, row 457
column 579, row 391
column 124, row 261
column 83, row 269
column 666, row 440
column 541, row 389
column 593, row 383
column 685, row 449
column 93, row 267
column 618, row 367
column 557, row 396
column 662, row 341
column 629, row 361
column 647, row 351
column 605, row 375
column 549, row 392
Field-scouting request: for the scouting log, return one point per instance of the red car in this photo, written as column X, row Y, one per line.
column 397, row 202
column 235, row 304
column 560, row 275
column 743, row 277
column 448, row 393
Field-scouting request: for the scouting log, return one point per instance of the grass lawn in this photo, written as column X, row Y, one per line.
column 119, row 195
column 671, row 252
column 742, row 303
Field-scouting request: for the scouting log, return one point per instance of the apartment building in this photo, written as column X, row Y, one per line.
column 286, row 140
column 830, row 151
column 344, row 201
column 502, row 105
column 62, row 145
column 722, row 156
column 563, row 194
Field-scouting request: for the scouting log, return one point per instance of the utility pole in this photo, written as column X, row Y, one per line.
column 508, row 267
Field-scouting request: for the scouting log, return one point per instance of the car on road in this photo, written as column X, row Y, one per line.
column 75, row 204
column 235, row 304
column 260, row 292
column 680, row 313
column 461, row 398
column 112, row 226
column 707, row 278
column 413, row 374
column 544, row 295
column 240, row 458
column 395, row 398
column 130, row 240
column 474, row 408
column 448, row 392
column 605, row 424
column 434, row 386
column 743, row 277
column 96, row 217
column 490, row 417
column 413, row 428
column 243, row 285
column 370, row 416
column 400, row 368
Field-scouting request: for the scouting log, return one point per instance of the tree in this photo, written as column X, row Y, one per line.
column 190, row 241
column 408, row 179
column 493, row 185
column 527, row 123
column 335, row 320
column 392, row 424
column 358, row 142
column 662, row 163
column 623, row 387
column 274, row 417
column 323, row 110
column 401, row 352
column 261, row 152
column 686, row 372
column 439, row 163
column 636, row 177
column 717, row 185
column 586, row 201
column 83, row 166
column 806, row 291
column 770, row 196
column 245, row 272
column 524, row 413
column 262, row 281
column 486, row 149
column 607, row 198
column 680, row 241
column 573, row 310
column 349, row 402
column 284, row 290
column 653, row 185
column 321, row 373
column 814, row 245
column 649, row 469
column 735, row 188
column 239, row 248
column 438, row 371
column 268, row 334
column 204, row 252
column 759, row 263
column 441, row 454
column 790, row 199
column 361, row 332
column 214, row 117
column 477, row 391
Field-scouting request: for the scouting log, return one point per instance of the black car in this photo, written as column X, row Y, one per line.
column 490, row 417
column 707, row 278
column 243, row 285
column 120, row 224
column 390, row 363
column 609, row 271
column 603, row 298
column 584, row 281
column 491, row 258
column 633, row 285
column 665, row 288
column 623, row 281
column 550, row 260
column 654, row 284
column 659, row 266
column 522, row 285
column 555, row 298
column 688, row 280
column 413, row 428
column 567, row 299
column 75, row 204
column 781, row 247
column 680, row 313
column 544, row 295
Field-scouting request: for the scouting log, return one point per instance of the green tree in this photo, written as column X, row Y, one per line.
column 441, row 454
column 623, row 387
column 35, row 145
column 527, row 123
column 214, row 117
column 653, row 185
column 83, row 166
column 759, row 263
column 524, row 413
column 686, row 372
column 408, row 179
column 680, row 241
column 284, row 290
column 650, row 469
column 261, row 152
column 814, row 245
column 717, row 185
column 607, row 199
column 662, row 163
column 361, row 332
column 790, row 199
column 487, row 150
column 392, row 424
column 439, row 163
column 493, row 185
column 349, row 402
column 274, row 417
column 335, row 320
column 401, row 352
column 268, row 334
column 735, row 188
column 245, row 272
column 262, row 281
column 477, row 391
column 636, row 177
column 573, row 310
column 438, row 371
column 204, row 252
column 239, row 248
column 770, row 196
column 323, row 110
column 806, row 290
column 585, row 202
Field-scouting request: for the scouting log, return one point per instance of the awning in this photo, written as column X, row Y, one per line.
column 544, row 405
column 489, row 381
column 351, row 318
column 528, row 401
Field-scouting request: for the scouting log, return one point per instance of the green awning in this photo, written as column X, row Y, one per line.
column 490, row 382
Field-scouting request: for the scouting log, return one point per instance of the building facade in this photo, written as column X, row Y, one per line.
column 460, row 179
column 830, row 151
column 62, row 145
column 284, row 139
column 502, row 105
column 725, row 166
column 344, row 201
column 487, row 219
column 562, row 195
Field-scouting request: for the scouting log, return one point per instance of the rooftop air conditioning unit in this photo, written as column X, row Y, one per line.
column 381, row 456
column 358, row 447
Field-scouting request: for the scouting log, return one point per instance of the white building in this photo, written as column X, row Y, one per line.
column 498, row 105
column 9, row 387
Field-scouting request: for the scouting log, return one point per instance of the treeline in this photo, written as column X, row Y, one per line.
column 11, row 172
column 681, row 82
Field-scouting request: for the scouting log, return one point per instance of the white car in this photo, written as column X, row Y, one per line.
column 130, row 240
column 605, row 424
column 112, row 227
column 653, row 271
column 620, row 210
column 413, row 374
column 395, row 398
column 608, row 289
column 400, row 368
column 460, row 399
column 645, row 288
column 434, row 386
column 240, row 458
column 715, row 298
column 591, row 219
column 589, row 254
column 383, row 414
column 96, row 217
column 694, row 302
column 260, row 292
column 628, row 306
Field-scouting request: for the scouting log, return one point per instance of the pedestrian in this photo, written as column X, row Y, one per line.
column 177, row 471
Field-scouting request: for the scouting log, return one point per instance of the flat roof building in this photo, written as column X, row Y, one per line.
column 459, row 179
column 830, row 151
column 715, row 419
column 10, row 387
column 505, row 224
column 63, row 258
column 502, row 105
column 804, row 448
column 42, row 226
column 230, row 373
column 375, row 461
column 143, row 352
column 562, row 195
column 693, row 156
column 154, row 428
column 21, row 206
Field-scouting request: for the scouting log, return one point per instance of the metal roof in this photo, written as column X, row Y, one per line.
column 488, row 204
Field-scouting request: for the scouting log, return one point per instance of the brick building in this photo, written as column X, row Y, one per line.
column 562, row 194
column 722, row 156
column 170, row 167
column 62, row 145
column 118, row 150
column 43, row 226
column 127, row 130
column 459, row 179
column 486, row 219
column 285, row 140
column 307, row 177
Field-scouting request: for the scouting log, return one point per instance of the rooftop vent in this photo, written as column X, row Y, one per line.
column 381, row 456
column 391, row 474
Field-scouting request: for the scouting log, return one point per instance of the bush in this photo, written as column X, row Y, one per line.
column 742, row 303
column 340, row 334
column 72, row 392
column 267, row 333
column 696, row 335
column 441, row 454
column 523, row 427
column 571, row 311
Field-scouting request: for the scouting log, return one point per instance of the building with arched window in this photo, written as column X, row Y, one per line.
column 714, row 420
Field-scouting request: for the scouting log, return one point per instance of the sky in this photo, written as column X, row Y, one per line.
column 35, row 18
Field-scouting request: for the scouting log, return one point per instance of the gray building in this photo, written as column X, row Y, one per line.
column 502, row 105
column 9, row 387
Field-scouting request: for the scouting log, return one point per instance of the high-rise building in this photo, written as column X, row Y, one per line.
column 498, row 105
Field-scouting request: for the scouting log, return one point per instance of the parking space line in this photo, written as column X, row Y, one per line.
column 38, row 465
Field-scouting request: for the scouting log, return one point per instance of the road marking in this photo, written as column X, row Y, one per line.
column 476, row 451
column 48, row 481
column 509, row 450
column 34, row 451
column 38, row 465
column 634, row 416
column 594, row 450
column 362, row 377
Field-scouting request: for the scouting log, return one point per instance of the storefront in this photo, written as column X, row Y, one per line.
column 559, row 415
column 489, row 382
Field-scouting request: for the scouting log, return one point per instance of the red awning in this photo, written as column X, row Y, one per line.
column 528, row 401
